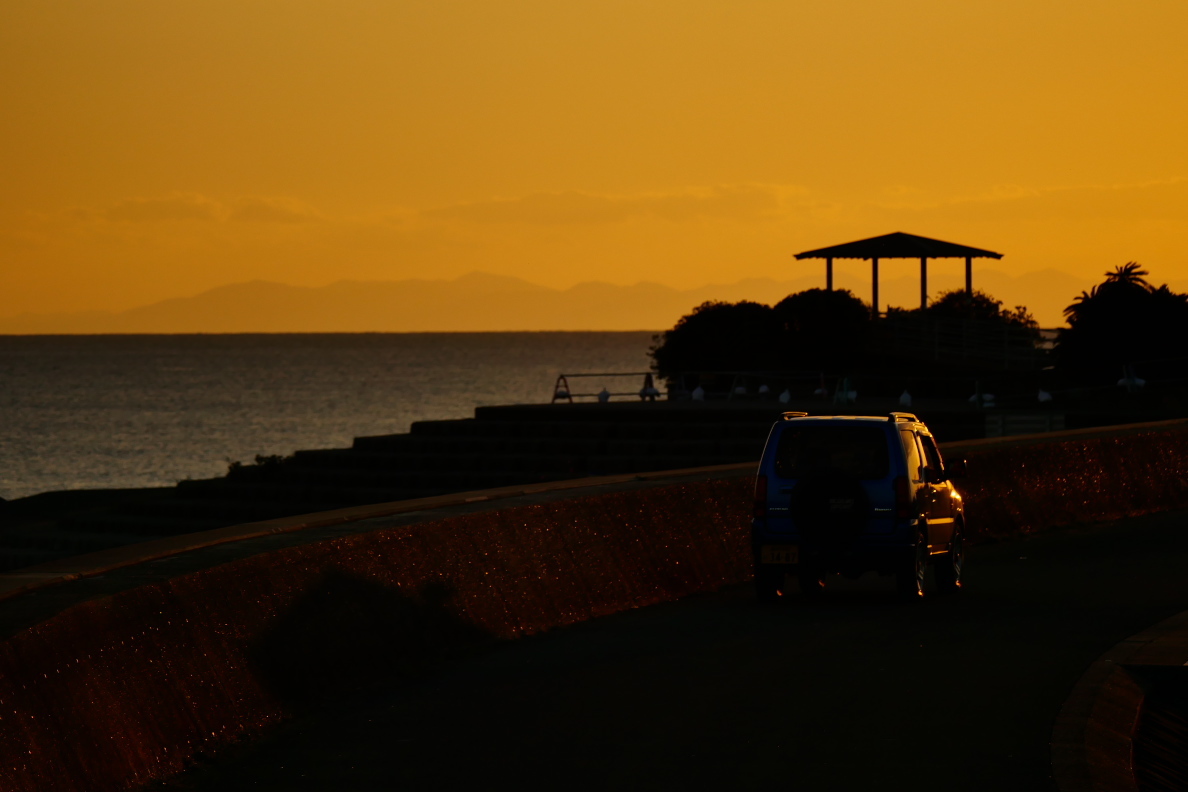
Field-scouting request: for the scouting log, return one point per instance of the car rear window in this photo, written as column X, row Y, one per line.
column 847, row 450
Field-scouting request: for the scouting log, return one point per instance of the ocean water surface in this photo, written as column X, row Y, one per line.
column 80, row 412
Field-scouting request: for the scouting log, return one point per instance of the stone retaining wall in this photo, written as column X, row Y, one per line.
column 1019, row 486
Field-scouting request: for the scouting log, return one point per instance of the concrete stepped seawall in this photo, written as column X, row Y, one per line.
column 500, row 446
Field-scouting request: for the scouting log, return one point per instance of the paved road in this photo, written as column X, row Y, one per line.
column 716, row 691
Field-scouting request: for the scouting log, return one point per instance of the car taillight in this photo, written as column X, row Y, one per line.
column 903, row 499
column 760, row 497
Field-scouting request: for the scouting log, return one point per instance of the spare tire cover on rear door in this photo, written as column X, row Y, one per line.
column 830, row 508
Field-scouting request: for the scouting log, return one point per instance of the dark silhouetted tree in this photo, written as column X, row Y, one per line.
column 720, row 336
column 1131, row 274
column 1123, row 321
column 969, row 334
column 979, row 307
column 833, row 332
column 827, row 330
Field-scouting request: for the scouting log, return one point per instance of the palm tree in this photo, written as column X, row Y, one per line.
column 1120, row 288
column 1131, row 274
column 1082, row 301
column 1123, row 321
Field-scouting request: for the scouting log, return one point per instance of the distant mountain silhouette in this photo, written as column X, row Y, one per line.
column 484, row 302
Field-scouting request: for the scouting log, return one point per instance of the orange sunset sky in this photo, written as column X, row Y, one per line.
column 152, row 150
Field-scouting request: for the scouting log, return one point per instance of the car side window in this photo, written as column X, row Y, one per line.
column 931, row 454
column 912, row 451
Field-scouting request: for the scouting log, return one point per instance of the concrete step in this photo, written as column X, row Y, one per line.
column 362, row 462
column 69, row 542
column 448, row 444
column 18, row 557
column 470, row 428
column 467, row 427
column 393, row 442
column 490, row 479
column 221, row 509
column 146, row 526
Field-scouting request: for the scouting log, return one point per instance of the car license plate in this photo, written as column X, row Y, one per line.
column 780, row 554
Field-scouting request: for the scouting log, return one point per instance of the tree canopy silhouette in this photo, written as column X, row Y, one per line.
column 971, row 332
column 978, row 306
column 720, row 336
column 823, row 329
column 1123, row 321
column 833, row 332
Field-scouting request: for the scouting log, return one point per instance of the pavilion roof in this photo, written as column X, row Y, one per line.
column 898, row 245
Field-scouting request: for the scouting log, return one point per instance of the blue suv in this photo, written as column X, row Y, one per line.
column 850, row 495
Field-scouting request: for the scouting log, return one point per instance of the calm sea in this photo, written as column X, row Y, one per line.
column 142, row 411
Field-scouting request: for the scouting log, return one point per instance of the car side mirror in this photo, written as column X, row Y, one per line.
column 933, row 476
column 957, row 469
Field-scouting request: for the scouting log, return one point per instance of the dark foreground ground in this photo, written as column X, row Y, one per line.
column 855, row 693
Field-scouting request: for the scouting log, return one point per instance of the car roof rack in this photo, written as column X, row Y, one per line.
column 902, row 416
column 789, row 415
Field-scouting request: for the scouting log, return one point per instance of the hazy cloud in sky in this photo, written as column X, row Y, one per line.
column 130, row 252
column 173, row 207
column 191, row 206
column 1156, row 200
column 743, row 203
column 272, row 210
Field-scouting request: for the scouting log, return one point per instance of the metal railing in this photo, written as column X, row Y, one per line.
column 563, row 392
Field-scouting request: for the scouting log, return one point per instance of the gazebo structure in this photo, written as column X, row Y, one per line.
column 898, row 245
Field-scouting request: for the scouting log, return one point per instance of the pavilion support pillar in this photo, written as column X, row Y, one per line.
column 969, row 274
column 829, row 274
column 923, row 282
column 874, row 286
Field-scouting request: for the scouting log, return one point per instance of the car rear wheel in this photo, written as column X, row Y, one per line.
column 811, row 581
column 769, row 583
column 948, row 566
column 909, row 580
